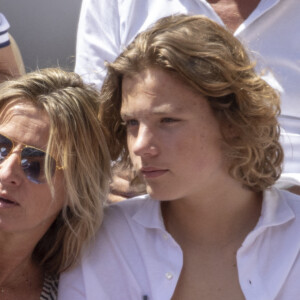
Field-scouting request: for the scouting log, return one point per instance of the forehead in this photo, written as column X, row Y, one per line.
column 24, row 122
column 159, row 91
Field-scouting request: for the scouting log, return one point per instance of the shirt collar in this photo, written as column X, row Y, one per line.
column 275, row 211
column 149, row 214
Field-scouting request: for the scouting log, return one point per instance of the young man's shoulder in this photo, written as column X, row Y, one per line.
column 126, row 208
column 293, row 200
column 130, row 217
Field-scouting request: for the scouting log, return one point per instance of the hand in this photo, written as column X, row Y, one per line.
column 125, row 184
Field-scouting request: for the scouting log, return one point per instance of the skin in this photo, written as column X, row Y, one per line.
column 163, row 130
column 31, row 210
column 8, row 64
column 175, row 144
column 233, row 12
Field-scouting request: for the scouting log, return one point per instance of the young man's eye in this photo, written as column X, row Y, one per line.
column 130, row 123
column 169, row 120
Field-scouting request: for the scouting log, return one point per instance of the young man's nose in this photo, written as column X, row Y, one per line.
column 145, row 142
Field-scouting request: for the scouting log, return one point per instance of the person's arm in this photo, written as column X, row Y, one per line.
column 8, row 63
column 98, row 38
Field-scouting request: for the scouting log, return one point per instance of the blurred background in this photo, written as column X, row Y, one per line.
column 45, row 30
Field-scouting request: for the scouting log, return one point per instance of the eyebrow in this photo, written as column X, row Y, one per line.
column 24, row 145
column 163, row 110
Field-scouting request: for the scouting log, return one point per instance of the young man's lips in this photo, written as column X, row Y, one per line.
column 149, row 172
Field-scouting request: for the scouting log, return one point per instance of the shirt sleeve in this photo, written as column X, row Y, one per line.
column 4, row 26
column 98, row 39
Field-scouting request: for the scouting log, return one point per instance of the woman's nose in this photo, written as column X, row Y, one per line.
column 10, row 170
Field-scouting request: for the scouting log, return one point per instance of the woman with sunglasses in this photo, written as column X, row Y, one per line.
column 54, row 171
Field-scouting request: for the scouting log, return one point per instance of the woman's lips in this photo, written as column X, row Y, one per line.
column 151, row 172
column 5, row 203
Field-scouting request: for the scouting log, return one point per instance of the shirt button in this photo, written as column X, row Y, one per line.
column 169, row 275
column 165, row 236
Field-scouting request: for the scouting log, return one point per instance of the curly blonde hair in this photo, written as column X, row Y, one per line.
column 78, row 142
column 214, row 63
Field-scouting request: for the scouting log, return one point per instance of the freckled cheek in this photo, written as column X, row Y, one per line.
column 198, row 149
column 187, row 149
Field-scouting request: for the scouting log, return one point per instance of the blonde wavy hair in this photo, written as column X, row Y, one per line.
column 78, row 142
column 214, row 63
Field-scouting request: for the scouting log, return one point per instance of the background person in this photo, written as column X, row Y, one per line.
column 54, row 172
column 184, row 103
column 9, row 64
column 265, row 27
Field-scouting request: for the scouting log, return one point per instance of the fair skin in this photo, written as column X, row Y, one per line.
column 233, row 12
column 26, row 209
column 175, row 144
column 8, row 64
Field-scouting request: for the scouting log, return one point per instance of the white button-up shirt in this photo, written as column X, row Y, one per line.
column 134, row 256
column 270, row 33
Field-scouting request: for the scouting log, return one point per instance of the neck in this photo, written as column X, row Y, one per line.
column 217, row 219
column 233, row 12
column 17, row 269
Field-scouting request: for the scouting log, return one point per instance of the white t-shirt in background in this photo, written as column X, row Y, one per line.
column 4, row 26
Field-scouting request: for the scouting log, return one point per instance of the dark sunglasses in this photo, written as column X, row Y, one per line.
column 32, row 159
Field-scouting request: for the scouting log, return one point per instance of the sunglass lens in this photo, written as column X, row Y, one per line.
column 33, row 164
column 5, row 147
column 32, row 170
